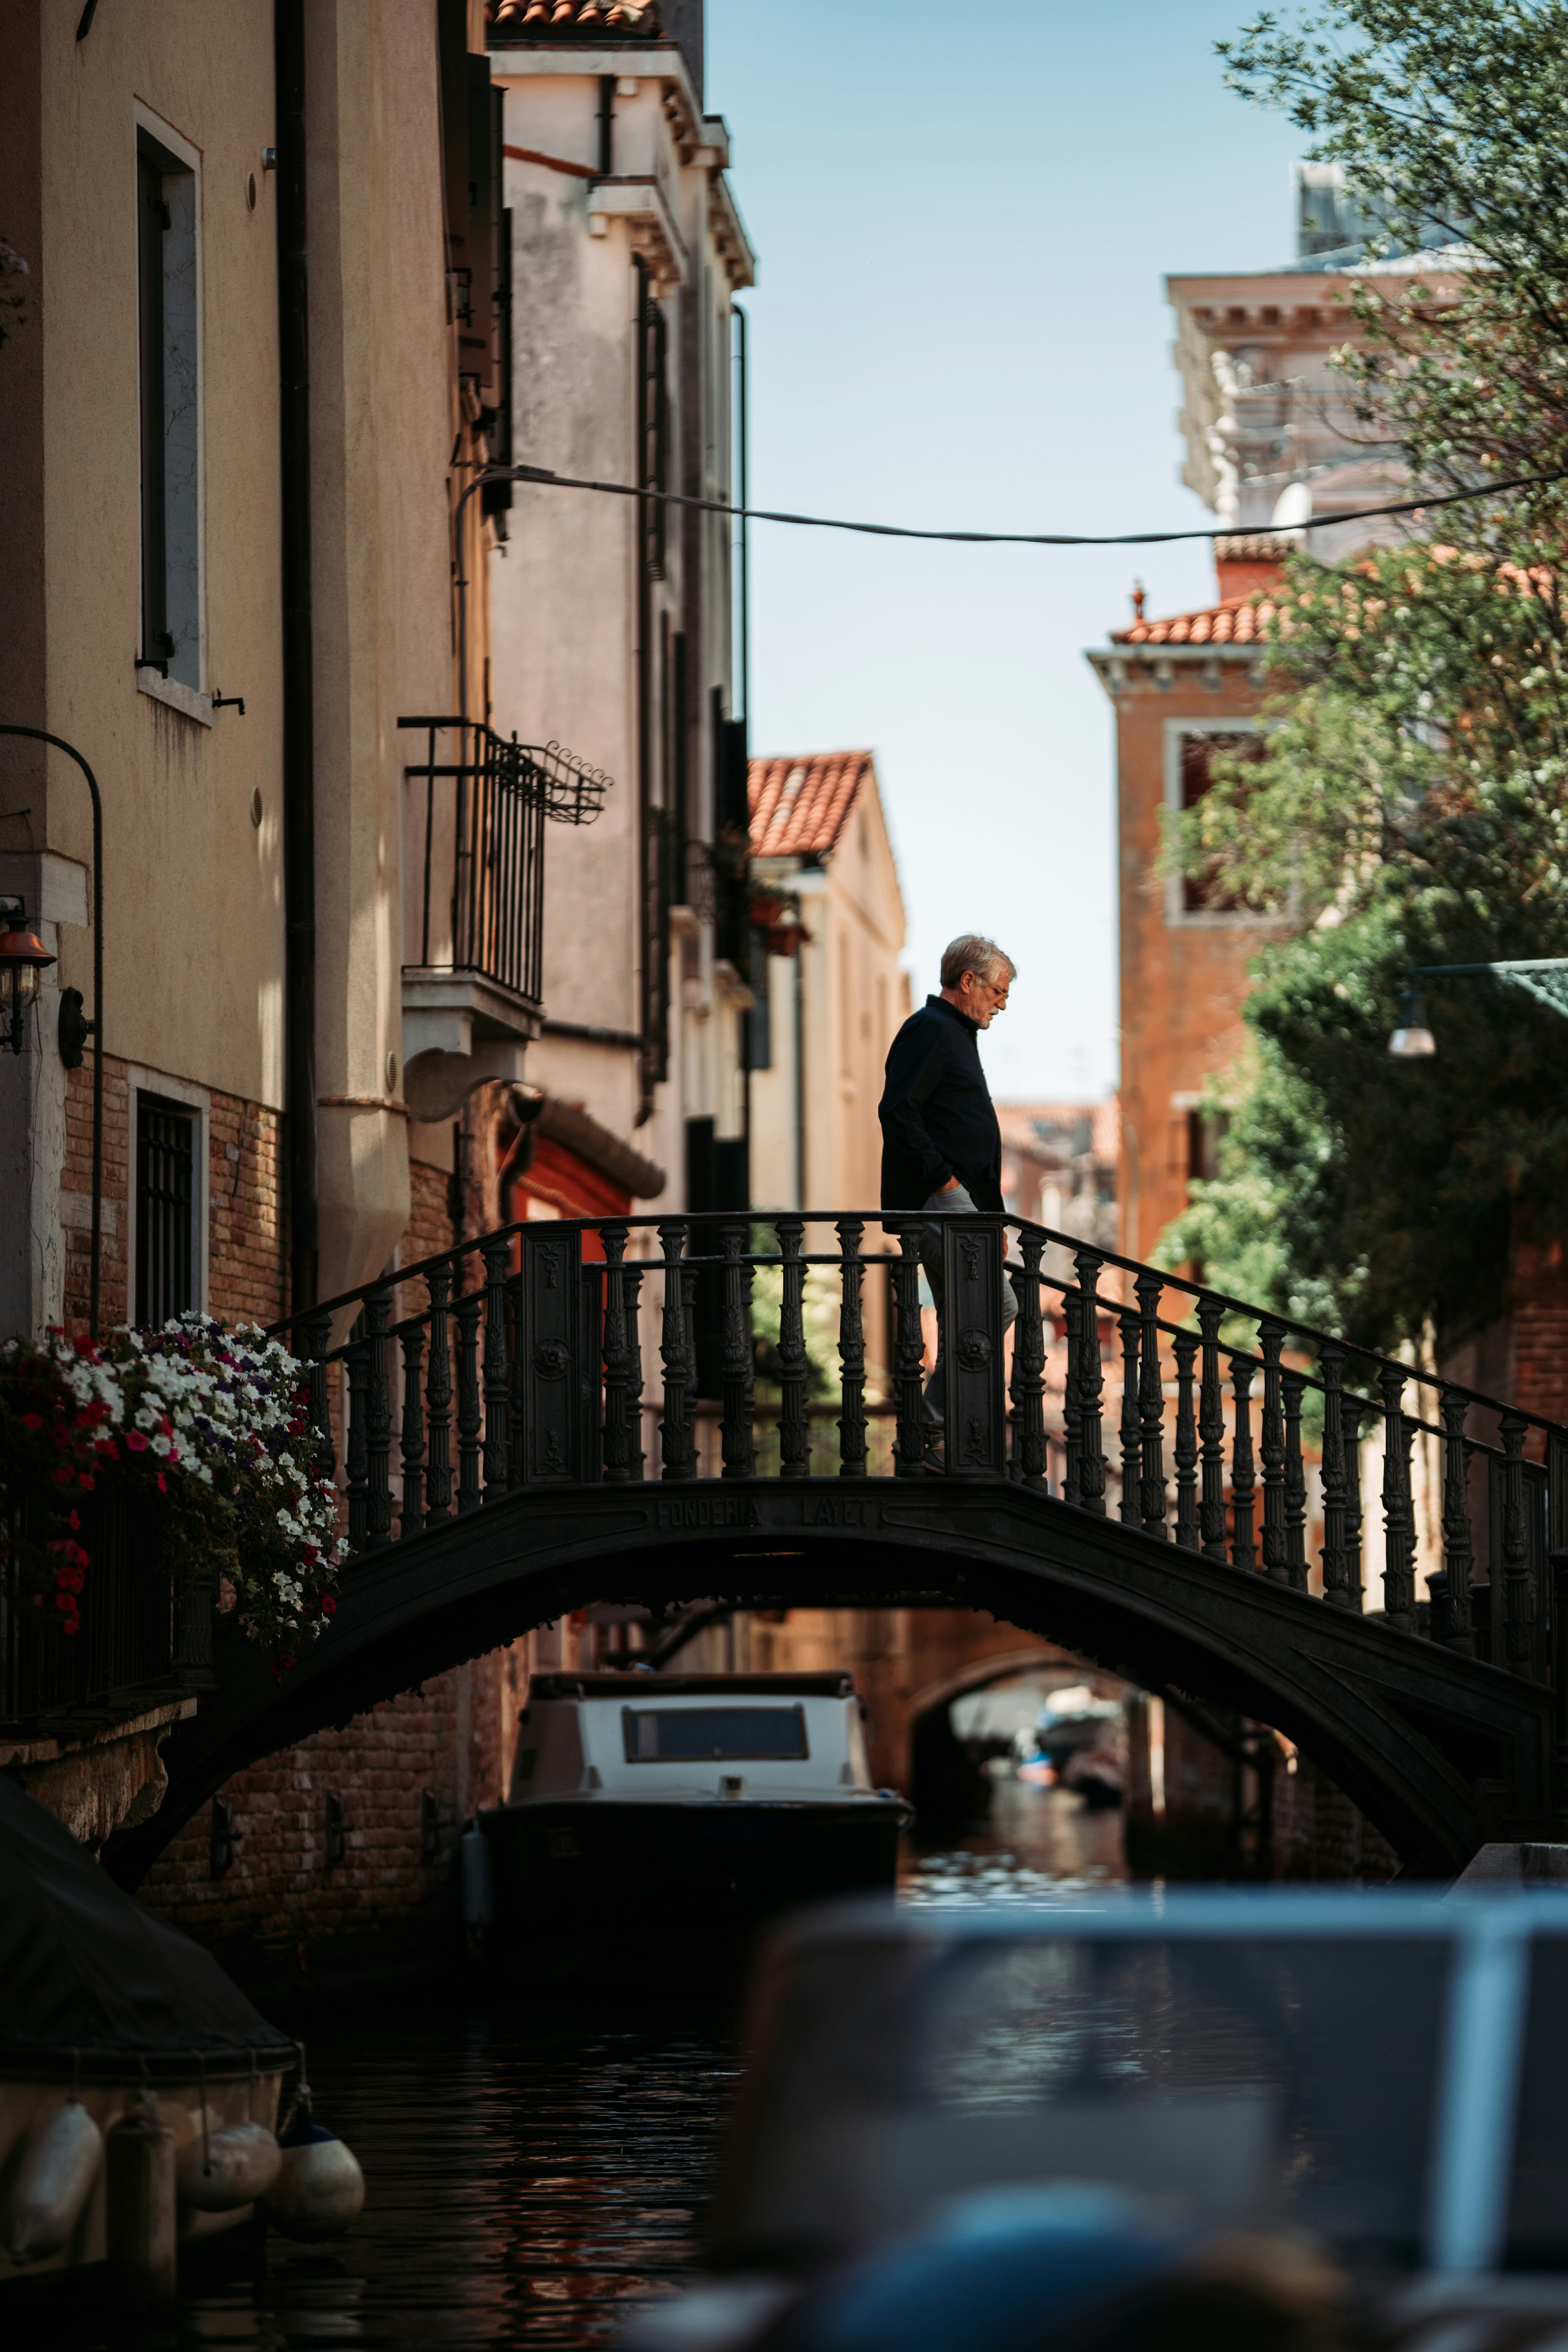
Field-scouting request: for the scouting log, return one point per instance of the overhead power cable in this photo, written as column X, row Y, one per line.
column 550, row 481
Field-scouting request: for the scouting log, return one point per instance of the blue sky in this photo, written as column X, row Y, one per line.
column 963, row 213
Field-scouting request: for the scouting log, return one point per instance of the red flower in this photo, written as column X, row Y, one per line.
column 62, row 1476
column 32, row 1421
column 136, row 1442
column 280, row 1666
column 162, row 1484
column 329, row 1606
column 60, row 1433
column 74, row 1520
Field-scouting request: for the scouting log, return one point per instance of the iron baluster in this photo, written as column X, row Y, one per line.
column 631, row 1277
column 1151, row 1406
column 1132, row 1431
column 1458, row 1555
column 1090, row 1385
column 356, row 1447
column 909, row 1353
column 1517, row 1600
column 1186, row 1349
column 1294, row 1385
column 676, row 1432
column 1028, row 1365
column 1336, row 1566
column 465, row 1315
column 378, row 1418
column 517, row 1384
column 1211, row 1430
column 617, row 1357
column 1073, row 1419
column 1399, row 1539
column 439, row 1399
column 411, row 1439
column 318, row 1338
column 795, row 1431
column 497, row 1384
column 1271, row 1445
column 851, row 1351
column 1352, row 1408
column 1243, row 1484
column 738, row 1437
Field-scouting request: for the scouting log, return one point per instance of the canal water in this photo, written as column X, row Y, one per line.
column 532, row 2178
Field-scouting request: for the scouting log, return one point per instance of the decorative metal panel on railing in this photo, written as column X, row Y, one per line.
column 734, row 1347
column 481, row 813
column 142, row 1638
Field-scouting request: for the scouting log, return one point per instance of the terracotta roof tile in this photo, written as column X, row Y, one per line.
column 1234, row 621
column 800, row 806
column 572, row 20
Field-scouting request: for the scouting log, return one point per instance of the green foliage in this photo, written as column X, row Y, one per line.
column 1448, row 123
column 1411, row 804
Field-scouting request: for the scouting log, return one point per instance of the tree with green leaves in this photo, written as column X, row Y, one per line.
column 1410, row 804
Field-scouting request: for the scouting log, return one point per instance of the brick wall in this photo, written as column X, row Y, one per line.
column 430, row 1226
column 281, row 1914
column 244, row 1203
column 76, row 1197
column 1539, row 1297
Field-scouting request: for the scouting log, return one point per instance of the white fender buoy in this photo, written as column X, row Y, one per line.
column 320, row 2189
column 235, row 2167
column 51, row 2184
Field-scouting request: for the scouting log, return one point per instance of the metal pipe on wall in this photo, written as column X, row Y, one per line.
column 299, row 700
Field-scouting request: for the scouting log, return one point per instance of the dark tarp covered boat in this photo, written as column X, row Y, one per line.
column 100, row 1997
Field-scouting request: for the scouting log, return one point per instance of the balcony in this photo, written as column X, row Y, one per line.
column 475, row 812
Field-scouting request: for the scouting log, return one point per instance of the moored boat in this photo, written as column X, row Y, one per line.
column 653, row 1823
column 139, row 2089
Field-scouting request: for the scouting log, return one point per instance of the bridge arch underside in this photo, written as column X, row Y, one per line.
column 1441, row 1752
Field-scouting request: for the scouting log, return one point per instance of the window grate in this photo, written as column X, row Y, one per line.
column 165, row 1206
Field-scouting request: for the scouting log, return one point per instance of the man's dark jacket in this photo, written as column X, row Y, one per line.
column 936, row 1114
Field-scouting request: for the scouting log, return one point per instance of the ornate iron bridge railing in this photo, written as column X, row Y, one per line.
column 688, row 1347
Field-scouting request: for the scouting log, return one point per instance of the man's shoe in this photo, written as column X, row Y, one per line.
column 936, row 1452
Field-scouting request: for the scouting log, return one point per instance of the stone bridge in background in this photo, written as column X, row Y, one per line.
column 659, row 1411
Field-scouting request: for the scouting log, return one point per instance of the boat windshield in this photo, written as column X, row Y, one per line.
column 702, row 1733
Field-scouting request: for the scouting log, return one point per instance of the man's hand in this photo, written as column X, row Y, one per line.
column 951, row 1185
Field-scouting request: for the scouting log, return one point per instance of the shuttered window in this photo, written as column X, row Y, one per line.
column 165, row 1209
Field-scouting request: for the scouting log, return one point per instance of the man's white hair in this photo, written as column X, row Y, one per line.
column 982, row 956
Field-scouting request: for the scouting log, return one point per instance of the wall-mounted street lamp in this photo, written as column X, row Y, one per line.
column 1412, row 1038
column 1543, row 977
column 24, row 958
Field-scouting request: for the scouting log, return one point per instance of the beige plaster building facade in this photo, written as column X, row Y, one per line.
column 831, row 991
column 611, row 617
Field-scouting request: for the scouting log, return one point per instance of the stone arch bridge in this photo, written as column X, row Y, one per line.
column 560, row 1413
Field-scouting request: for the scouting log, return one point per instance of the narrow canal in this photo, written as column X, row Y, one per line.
column 532, row 2178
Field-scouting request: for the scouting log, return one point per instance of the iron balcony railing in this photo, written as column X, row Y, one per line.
column 482, row 813
column 520, row 1360
column 142, row 1640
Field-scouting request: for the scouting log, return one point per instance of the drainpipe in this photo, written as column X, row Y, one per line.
column 298, row 705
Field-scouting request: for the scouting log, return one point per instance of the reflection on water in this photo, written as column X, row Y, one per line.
column 528, row 2176
column 1038, row 1842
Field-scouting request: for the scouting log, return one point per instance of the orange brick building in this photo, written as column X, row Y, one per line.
column 1182, row 690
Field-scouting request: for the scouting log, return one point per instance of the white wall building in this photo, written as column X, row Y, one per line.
column 611, row 617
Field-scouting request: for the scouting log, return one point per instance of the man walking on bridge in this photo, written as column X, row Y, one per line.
column 942, row 1147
